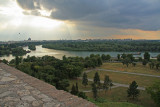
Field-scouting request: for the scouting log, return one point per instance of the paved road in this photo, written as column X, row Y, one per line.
column 132, row 73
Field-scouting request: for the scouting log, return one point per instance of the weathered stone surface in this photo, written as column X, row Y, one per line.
column 6, row 79
column 28, row 98
column 35, row 92
column 6, row 99
column 23, row 92
column 36, row 103
column 50, row 104
column 20, row 90
column 7, row 93
column 28, row 87
column 23, row 104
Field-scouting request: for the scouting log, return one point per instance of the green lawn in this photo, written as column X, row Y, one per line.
column 139, row 68
column 116, row 97
column 117, row 104
column 119, row 94
column 125, row 78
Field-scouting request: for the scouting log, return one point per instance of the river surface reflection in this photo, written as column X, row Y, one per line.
column 40, row 51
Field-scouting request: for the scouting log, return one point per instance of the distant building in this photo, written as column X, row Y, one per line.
column 29, row 39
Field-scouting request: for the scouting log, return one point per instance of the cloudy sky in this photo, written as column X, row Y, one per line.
column 79, row 19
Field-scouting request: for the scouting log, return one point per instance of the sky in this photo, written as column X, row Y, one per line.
column 79, row 19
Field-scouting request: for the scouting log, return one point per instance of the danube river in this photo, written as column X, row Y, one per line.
column 40, row 51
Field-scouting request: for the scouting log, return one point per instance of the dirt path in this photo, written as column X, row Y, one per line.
column 132, row 73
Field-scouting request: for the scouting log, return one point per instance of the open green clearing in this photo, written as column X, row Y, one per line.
column 139, row 68
column 120, row 95
column 143, row 81
column 116, row 97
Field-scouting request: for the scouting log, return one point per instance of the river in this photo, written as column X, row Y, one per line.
column 40, row 51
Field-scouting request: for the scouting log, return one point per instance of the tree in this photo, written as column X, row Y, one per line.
column 154, row 91
column 123, row 56
column 108, row 57
column 157, row 65
column 85, row 80
column 107, row 83
column 82, row 95
column 132, row 90
column 77, row 90
column 73, row 91
column 94, row 90
column 126, row 61
column 152, row 65
column 144, row 62
column 147, row 56
column 5, row 61
column 118, row 56
column 158, row 57
column 140, row 59
column 96, row 78
column 17, row 61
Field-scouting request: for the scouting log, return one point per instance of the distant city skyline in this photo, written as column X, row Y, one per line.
column 79, row 19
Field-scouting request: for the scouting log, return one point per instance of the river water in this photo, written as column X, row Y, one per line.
column 40, row 51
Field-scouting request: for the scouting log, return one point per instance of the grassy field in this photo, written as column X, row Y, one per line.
column 120, row 95
column 116, row 97
column 117, row 104
column 139, row 68
column 125, row 78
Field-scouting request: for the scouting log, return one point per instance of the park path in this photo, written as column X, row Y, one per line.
column 132, row 73
column 115, row 85
column 119, row 84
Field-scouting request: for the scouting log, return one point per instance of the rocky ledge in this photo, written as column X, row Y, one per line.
column 18, row 89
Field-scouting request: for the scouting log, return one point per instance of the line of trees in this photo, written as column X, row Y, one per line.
column 55, row 71
column 102, row 45
column 128, row 59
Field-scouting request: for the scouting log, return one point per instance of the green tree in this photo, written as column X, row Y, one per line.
column 147, row 56
column 118, row 56
column 74, row 90
column 157, row 66
column 77, row 90
column 94, row 90
column 154, row 91
column 158, row 57
column 144, row 62
column 106, row 83
column 123, row 56
column 96, row 78
column 85, row 80
column 82, row 95
column 5, row 61
column 132, row 91
column 126, row 61
column 17, row 61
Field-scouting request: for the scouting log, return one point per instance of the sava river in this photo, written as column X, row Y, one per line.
column 40, row 51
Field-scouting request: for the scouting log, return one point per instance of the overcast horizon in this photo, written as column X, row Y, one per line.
column 79, row 19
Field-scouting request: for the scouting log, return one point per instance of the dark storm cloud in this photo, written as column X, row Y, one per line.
column 136, row 14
